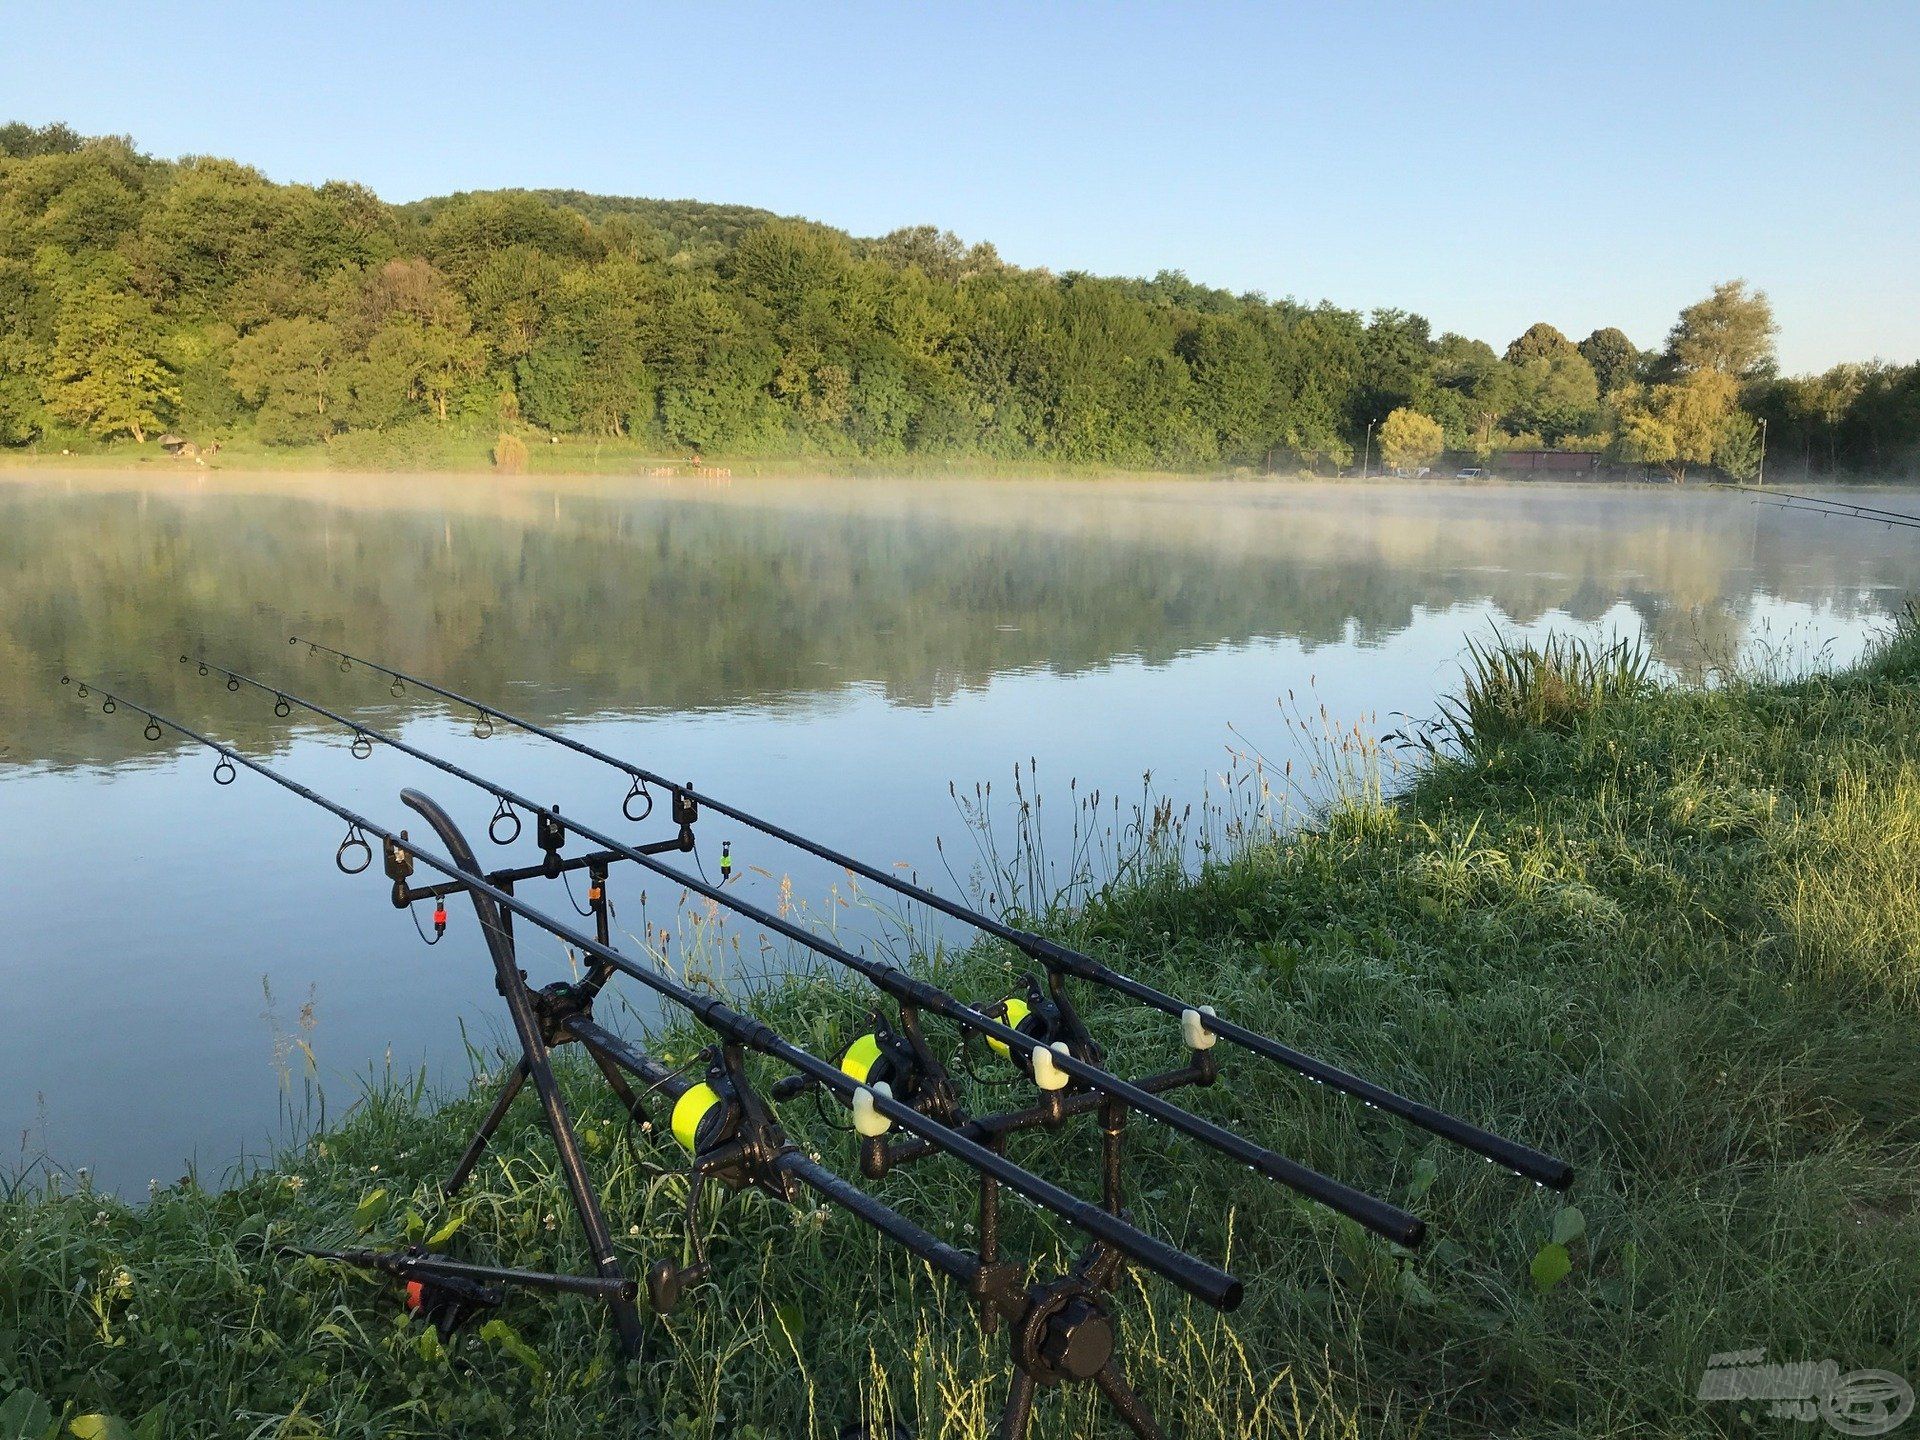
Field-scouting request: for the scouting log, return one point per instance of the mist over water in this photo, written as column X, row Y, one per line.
column 830, row 654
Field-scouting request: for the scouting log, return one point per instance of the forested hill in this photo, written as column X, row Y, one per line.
column 139, row 295
column 689, row 227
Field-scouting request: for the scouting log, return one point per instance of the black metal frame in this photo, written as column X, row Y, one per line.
column 1058, row 960
column 1060, row 1329
column 915, row 995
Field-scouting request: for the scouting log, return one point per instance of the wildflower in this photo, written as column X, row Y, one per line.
column 295, row 1183
column 550, row 1222
column 373, row 1169
column 633, row 1229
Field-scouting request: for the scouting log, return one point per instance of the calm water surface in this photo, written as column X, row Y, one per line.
column 178, row 957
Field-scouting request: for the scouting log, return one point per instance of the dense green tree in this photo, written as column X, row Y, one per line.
column 1540, row 341
column 1679, row 424
column 105, row 374
column 1409, row 440
column 136, row 292
column 1555, row 394
column 1615, row 361
column 1737, row 451
column 1397, row 364
column 23, row 142
column 1730, row 332
column 290, row 369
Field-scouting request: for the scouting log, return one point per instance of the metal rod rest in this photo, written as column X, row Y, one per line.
column 1524, row 1160
column 1383, row 1218
column 1198, row 1278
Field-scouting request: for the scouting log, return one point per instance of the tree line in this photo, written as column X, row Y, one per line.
column 139, row 295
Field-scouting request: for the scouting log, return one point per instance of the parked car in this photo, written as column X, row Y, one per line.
column 1472, row 472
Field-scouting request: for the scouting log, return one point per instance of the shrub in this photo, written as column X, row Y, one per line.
column 510, row 455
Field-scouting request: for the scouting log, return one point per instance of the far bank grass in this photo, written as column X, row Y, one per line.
column 1672, row 935
column 460, row 454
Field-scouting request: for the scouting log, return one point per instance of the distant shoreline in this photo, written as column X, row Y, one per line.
column 582, row 461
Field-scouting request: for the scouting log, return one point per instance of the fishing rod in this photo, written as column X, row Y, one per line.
column 1825, row 505
column 871, row 1105
column 1524, row 1160
column 1052, row 1066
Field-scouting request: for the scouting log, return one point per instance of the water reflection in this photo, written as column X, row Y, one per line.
column 833, row 654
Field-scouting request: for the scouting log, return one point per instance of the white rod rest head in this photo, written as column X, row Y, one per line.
column 1194, row 1030
column 1046, row 1074
column 868, row 1121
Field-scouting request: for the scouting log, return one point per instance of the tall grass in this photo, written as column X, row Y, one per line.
column 1511, row 689
column 1670, row 934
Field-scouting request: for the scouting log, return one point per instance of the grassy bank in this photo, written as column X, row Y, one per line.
column 409, row 453
column 1671, row 935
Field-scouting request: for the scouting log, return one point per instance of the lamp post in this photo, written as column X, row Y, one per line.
column 1366, row 452
column 1763, row 450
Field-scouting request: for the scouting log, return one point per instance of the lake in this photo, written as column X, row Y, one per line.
column 184, row 965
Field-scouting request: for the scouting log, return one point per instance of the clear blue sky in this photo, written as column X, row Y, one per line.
column 1485, row 164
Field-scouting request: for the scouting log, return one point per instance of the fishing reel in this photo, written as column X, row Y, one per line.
column 731, row 1137
column 1046, row 1016
column 898, row 1058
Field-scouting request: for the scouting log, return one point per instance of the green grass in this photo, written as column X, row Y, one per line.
column 1669, row 934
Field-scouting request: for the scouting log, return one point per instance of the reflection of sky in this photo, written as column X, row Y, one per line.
column 146, row 906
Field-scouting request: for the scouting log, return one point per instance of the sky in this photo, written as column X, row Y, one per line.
column 1486, row 165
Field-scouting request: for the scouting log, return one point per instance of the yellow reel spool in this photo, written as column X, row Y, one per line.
column 689, row 1110
column 1017, row 1011
column 861, row 1057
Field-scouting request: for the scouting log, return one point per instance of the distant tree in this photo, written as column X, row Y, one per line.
column 1409, row 440
column 291, row 370
column 1678, row 424
column 1613, row 357
column 1737, row 452
column 1485, row 387
column 470, row 228
column 1730, row 332
column 938, row 253
column 105, row 372
column 1232, row 382
column 1397, row 363
column 22, row 142
column 1540, row 341
column 1555, row 393
column 198, row 356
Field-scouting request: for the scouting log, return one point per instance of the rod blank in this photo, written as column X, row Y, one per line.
column 1523, row 1160
column 1198, row 1278
column 1378, row 1215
